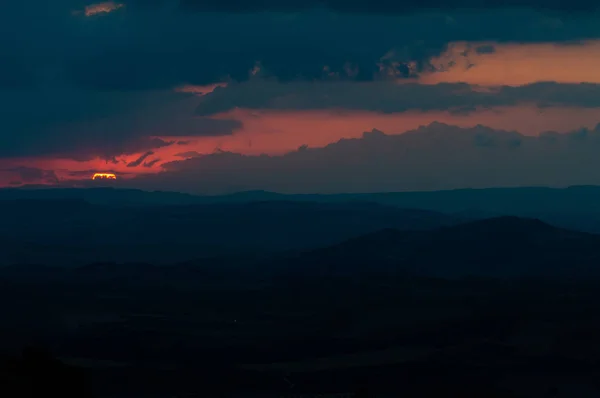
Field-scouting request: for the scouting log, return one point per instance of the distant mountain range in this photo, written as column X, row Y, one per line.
column 74, row 231
column 575, row 199
column 576, row 207
column 504, row 247
column 79, row 226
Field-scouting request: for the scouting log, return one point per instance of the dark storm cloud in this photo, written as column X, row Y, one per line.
column 434, row 157
column 162, row 46
column 203, row 127
column 381, row 6
column 79, row 87
column 82, row 124
column 159, row 45
column 459, row 98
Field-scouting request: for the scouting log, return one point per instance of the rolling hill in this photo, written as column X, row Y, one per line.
column 495, row 247
column 74, row 231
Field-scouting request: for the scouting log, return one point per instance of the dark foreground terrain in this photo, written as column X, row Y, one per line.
column 470, row 310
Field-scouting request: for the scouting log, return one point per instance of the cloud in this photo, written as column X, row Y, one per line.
column 83, row 124
column 154, row 45
column 277, row 132
column 128, row 79
column 437, row 156
column 28, row 175
column 157, row 47
column 485, row 49
column 378, row 6
column 151, row 163
column 140, row 160
column 195, row 126
column 390, row 98
column 188, row 154
column 514, row 64
column 87, row 173
column 198, row 89
column 101, row 8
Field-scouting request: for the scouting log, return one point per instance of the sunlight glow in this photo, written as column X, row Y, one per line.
column 104, row 176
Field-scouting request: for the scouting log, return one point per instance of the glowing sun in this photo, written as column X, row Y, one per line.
column 104, row 176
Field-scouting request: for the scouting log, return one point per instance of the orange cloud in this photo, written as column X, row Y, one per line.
column 494, row 64
column 102, row 8
column 277, row 132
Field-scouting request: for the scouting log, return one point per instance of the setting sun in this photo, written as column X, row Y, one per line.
column 104, row 176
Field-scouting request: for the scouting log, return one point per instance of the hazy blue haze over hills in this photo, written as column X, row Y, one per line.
column 74, row 231
column 78, row 226
column 571, row 199
column 575, row 207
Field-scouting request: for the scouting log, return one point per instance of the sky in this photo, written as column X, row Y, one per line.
column 301, row 96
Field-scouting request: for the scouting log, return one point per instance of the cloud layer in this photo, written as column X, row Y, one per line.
column 132, row 85
column 389, row 98
column 437, row 156
column 381, row 6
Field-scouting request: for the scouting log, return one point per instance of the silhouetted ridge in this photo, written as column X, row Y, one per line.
column 498, row 229
column 75, row 232
column 501, row 246
column 259, row 195
column 43, row 205
column 509, row 222
column 508, row 227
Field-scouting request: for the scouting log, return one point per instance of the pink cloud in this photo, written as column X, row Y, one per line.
column 278, row 132
column 102, row 8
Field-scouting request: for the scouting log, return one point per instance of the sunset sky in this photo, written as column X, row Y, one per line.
column 213, row 96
